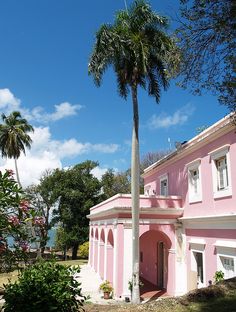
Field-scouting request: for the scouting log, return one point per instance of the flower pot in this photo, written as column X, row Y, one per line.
column 106, row 295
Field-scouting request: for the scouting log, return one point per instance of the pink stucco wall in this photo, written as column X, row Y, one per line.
column 209, row 237
column 178, row 179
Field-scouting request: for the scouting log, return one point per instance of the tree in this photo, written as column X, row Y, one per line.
column 77, row 190
column 15, row 218
column 115, row 183
column 151, row 157
column 208, row 41
column 43, row 201
column 142, row 55
column 14, row 137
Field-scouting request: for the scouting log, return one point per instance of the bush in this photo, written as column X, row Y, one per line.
column 84, row 250
column 44, row 287
column 219, row 276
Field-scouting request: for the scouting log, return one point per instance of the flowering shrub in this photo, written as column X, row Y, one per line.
column 43, row 287
column 15, row 223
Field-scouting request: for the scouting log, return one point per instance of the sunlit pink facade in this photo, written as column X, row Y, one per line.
column 187, row 218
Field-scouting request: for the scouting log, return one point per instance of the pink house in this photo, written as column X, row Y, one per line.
column 187, row 218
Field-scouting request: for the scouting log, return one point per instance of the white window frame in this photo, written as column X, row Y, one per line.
column 215, row 156
column 198, row 246
column 192, row 195
column 225, row 249
column 163, row 178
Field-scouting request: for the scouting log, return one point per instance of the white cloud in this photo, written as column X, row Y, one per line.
column 178, row 118
column 47, row 153
column 9, row 103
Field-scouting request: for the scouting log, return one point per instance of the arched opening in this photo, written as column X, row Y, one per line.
column 101, row 262
column 154, row 246
column 96, row 251
column 110, row 256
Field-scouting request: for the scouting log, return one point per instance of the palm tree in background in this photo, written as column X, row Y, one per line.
column 141, row 54
column 14, row 137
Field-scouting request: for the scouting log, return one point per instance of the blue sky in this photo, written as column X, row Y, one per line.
column 45, row 49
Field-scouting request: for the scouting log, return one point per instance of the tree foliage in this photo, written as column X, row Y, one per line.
column 115, row 182
column 76, row 190
column 208, row 41
column 14, row 136
column 43, row 200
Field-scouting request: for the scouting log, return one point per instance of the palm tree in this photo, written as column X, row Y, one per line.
column 141, row 54
column 14, row 137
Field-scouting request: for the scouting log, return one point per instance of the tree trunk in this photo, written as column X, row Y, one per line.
column 74, row 251
column 135, row 179
column 17, row 173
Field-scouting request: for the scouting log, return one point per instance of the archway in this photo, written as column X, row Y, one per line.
column 154, row 246
column 110, row 256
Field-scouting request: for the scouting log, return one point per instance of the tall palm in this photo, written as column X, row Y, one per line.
column 14, row 137
column 141, row 54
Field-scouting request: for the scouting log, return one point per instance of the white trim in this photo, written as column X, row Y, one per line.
column 197, row 241
column 227, row 244
column 144, row 210
column 225, row 222
column 127, row 222
column 219, row 152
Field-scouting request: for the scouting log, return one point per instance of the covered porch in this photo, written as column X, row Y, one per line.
column 110, row 253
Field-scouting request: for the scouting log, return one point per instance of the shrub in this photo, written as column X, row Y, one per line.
column 44, row 287
column 219, row 276
column 84, row 250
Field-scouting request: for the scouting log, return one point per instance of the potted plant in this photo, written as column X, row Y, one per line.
column 107, row 289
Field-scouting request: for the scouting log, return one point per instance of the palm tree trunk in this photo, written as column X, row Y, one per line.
column 135, row 178
column 17, row 173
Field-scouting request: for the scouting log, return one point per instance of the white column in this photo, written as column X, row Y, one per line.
column 115, row 255
column 105, row 254
column 127, row 272
column 94, row 239
column 90, row 245
column 99, row 249
column 180, row 266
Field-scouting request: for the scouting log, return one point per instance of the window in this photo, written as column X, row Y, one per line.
column 221, row 172
column 164, row 185
column 194, row 181
column 226, row 257
column 147, row 189
column 228, row 265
